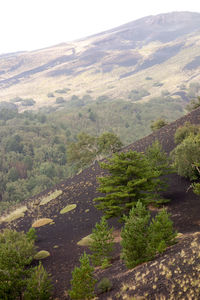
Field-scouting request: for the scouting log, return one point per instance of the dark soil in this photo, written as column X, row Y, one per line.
column 69, row 228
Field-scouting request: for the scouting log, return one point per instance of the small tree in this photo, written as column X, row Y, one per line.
column 135, row 235
column 194, row 103
column 160, row 163
column 16, row 252
column 186, row 157
column 158, row 124
column 38, row 285
column 83, row 282
column 102, row 243
column 161, row 233
column 131, row 179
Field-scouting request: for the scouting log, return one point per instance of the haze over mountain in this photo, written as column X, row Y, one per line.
column 155, row 54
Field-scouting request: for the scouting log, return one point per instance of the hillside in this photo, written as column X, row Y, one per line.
column 119, row 63
column 172, row 274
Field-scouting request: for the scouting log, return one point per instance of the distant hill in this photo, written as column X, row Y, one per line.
column 148, row 56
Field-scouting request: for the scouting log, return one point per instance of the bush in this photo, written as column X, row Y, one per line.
column 38, row 285
column 184, row 131
column 83, row 282
column 186, row 157
column 158, row 124
column 31, row 234
column 102, row 243
column 104, row 285
column 16, row 252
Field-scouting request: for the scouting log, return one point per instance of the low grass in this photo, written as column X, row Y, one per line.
column 41, row 254
column 67, row 208
column 85, row 241
column 14, row 215
column 50, row 197
column 42, row 222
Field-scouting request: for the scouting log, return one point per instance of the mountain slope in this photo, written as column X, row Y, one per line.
column 113, row 63
column 61, row 237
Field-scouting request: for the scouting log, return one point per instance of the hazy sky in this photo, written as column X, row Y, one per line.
column 34, row 24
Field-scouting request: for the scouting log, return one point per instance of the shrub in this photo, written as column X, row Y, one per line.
column 184, row 131
column 83, row 282
column 16, row 252
column 158, row 124
column 38, row 285
column 186, row 157
column 135, row 235
column 31, row 234
column 104, row 285
column 101, row 243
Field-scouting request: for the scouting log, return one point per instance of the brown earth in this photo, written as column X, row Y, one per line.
column 174, row 275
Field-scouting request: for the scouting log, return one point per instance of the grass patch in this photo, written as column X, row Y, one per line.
column 42, row 222
column 85, row 241
column 16, row 214
column 68, row 208
column 42, row 254
column 50, row 197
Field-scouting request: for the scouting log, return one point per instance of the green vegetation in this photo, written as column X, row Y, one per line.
column 132, row 178
column 102, row 243
column 194, row 103
column 141, row 241
column 39, row 286
column 158, row 124
column 136, row 95
column 83, row 282
column 105, row 285
column 17, row 251
column 35, row 146
column 135, row 235
column 186, row 157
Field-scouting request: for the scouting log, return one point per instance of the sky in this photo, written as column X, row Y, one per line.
column 27, row 25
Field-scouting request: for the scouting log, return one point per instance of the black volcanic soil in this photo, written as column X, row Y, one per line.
column 69, row 228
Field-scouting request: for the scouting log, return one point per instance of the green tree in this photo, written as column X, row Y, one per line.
column 83, row 281
column 184, row 131
column 131, row 178
column 108, row 143
column 38, row 285
column 102, row 243
column 16, row 252
column 135, row 235
column 186, row 157
column 160, row 233
column 158, row 124
column 194, row 103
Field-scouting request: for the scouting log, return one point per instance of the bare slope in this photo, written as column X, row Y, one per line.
column 63, row 230
column 132, row 56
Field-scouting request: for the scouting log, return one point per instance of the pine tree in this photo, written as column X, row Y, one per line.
column 102, row 243
column 38, row 285
column 135, row 235
column 160, row 233
column 83, row 282
column 131, row 178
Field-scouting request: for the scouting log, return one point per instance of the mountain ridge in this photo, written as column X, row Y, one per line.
column 110, row 63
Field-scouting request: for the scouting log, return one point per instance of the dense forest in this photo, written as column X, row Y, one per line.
column 38, row 149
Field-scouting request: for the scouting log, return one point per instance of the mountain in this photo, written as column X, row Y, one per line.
column 148, row 56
